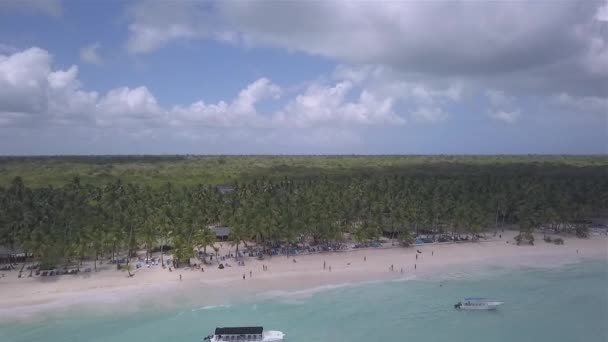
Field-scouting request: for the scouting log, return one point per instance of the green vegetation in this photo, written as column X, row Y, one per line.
column 156, row 171
column 313, row 200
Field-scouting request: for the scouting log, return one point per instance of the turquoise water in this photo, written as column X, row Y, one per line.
column 565, row 304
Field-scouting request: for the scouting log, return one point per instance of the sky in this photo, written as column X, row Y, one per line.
column 303, row 77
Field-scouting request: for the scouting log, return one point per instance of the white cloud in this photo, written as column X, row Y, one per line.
column 239, row 112
column 90, row 54
column 401, row 87
column 156, row 23
column 498, row 98
column 505, row 116
column 29, row 88
column 581, row 104
column 502, row 106
column 23, row 81
column 48, row 7
column 602, row 12
column 539, row 46
column 31, row 91
column 430, row 114
column 128, row 106
column 325, row 105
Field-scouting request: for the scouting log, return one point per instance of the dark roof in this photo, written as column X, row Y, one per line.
column 8, row 251
column 239, row 331
column 221, row 231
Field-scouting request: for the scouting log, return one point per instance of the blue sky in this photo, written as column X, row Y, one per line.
column 303, row 77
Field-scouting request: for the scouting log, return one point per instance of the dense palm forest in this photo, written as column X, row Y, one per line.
column 83, row 220
column 184, row 170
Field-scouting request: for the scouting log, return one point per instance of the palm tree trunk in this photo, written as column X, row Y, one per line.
column 24, row 261
column 162, row 253
column 129, row 249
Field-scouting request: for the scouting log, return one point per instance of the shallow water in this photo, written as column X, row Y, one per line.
column 568, row 303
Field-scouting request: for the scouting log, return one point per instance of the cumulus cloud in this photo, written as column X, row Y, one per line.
column 124, row 106
column 430, row 115
column 239, row 112
column 90, row 54
column 502, row 106
column 549, row 46
column 506, row 117
column 499, row 98
column 602, row 12
column 587, row 104
column 416, row 58
column 32, row 92
column 157, row 23
column 325, row 105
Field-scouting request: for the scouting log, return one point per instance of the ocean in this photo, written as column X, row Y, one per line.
column 561, row 304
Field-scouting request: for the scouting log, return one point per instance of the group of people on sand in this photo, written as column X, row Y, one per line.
column 392, row 267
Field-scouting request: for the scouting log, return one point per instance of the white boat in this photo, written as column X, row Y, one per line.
column 245, row 334
column 477, row 304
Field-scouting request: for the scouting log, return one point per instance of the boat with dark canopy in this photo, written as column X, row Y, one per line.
column 245, row 334
column 477, row 304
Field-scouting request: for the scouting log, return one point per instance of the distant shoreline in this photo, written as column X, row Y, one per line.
column 108, row 289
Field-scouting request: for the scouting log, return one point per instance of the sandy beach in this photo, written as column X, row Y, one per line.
column 25, row 298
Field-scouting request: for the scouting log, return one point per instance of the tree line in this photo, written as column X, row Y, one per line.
column 59, row 225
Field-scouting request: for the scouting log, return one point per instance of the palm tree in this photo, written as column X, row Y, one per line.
column 237, row 235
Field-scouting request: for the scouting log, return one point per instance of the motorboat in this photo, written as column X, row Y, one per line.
column 245, row 334
column 477, row 304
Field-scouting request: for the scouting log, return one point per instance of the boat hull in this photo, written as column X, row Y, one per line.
column 267, row 336
column 478, row 306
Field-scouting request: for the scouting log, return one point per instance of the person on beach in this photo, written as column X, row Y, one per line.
column 323, row 264
column 414, row 266
column 432, row 253
column 180, row 277
column 416, row 256
column 250, row 274
column 243, row 276
column 392, row 267
column 364, row 258
column 401, row 270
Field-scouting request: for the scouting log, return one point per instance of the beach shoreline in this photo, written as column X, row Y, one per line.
column 109, row 289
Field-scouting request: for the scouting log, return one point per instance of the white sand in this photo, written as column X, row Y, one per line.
column 28, row 297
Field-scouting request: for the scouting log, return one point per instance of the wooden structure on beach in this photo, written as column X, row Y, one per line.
column 10, row 254
column 222, row 233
